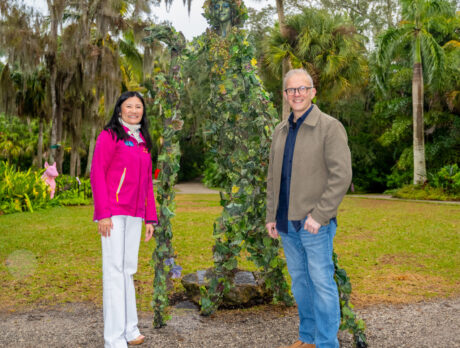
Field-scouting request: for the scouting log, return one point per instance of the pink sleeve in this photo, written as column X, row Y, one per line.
column 150, row 209
column 103, row 153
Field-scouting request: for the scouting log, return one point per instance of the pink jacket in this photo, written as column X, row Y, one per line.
column 121, row 179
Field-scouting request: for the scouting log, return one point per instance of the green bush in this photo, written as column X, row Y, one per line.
column 212, row 177
column 423, row 192
column 73, row 191
column 18, row 141
column 26, row 191
column 22, row 191
column 447, row 178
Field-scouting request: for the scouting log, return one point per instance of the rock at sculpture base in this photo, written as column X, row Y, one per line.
column 248, row 290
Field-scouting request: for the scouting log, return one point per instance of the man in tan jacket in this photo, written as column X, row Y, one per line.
column 308, row 175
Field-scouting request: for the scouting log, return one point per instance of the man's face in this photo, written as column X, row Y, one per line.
column 299, row 101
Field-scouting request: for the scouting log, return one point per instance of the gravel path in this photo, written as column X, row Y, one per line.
column 426, row 324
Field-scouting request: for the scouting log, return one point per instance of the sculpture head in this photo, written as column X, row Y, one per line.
column 222, row 11
column 51, row 170
column 222, row 15
column 49, row 175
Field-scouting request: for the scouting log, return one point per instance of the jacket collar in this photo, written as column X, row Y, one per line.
column 311, row 120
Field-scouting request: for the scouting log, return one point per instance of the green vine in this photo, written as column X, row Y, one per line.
column 166, row 92
column 349, row 320
column 239, row 133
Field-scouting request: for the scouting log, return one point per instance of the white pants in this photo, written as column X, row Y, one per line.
column 119, row 264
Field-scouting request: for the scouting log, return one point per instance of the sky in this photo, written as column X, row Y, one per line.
column 190, row 26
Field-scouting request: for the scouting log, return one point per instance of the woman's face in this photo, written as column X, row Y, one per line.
column 132, row 110
column 222, row 10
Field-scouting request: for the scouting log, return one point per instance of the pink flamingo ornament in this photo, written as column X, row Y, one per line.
column 49, row 175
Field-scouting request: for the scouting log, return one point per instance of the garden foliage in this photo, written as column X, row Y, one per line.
column 166, row 92
column 22, row 191
column 73, row 190
column 349, row 321
column 447, row 178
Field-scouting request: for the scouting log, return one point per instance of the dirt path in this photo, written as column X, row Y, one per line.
column 426, row 324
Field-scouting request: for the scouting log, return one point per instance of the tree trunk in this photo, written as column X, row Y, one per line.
column 281, row 20
column 59, row 154
column 286, row 63
column 78, row 160
column 389, row 13
column 54, row 121
column 73, row 160
column 418, row 136
column 92, row 144
column 51, row 62
column 40, row 143
column 286, row 106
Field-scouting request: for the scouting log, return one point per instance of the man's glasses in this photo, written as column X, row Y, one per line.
column 302, row 90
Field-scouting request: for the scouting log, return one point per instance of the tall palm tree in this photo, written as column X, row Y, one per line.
column 426, row 55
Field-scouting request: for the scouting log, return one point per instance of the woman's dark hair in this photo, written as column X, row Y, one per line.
column 115, row 127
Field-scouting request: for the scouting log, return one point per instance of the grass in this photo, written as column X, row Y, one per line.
column 394, row 252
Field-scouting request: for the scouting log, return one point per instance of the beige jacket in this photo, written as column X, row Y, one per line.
column 321, row 168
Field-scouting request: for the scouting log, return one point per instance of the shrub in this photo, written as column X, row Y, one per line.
column 447, row 178
column 422, row 192
column 212, row 177
column 73, row 191
column 22, row 191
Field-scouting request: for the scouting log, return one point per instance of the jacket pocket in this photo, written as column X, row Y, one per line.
column 120, row 184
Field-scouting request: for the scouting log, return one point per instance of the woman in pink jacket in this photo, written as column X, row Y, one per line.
column 121, row 179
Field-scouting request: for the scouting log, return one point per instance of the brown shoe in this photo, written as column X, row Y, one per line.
column 139, row 340
column 299, row 344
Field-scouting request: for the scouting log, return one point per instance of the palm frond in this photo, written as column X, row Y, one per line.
column 433, row 55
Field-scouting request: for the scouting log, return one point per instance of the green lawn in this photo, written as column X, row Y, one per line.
column 393, row 251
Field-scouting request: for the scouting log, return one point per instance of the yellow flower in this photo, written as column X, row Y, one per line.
column 222, row 89
column 254, row 62
column 245, row 42
column 235, row 189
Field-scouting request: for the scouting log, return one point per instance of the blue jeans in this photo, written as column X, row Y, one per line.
column 310, row 265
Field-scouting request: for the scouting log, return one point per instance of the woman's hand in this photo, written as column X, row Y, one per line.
column 148, row 232
column 104, row 227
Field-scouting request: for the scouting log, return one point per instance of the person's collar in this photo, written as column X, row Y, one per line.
column 131, row 127
column 313, row 116
column 301, row 119
column 311, row 120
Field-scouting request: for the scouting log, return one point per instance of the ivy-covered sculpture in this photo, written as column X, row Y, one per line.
column 166, row 92
column 239, row 131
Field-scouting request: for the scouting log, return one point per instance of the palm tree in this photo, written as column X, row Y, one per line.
column 328, row 47
column 426, row 56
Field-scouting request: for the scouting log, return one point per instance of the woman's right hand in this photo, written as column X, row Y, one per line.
column 104, row 227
